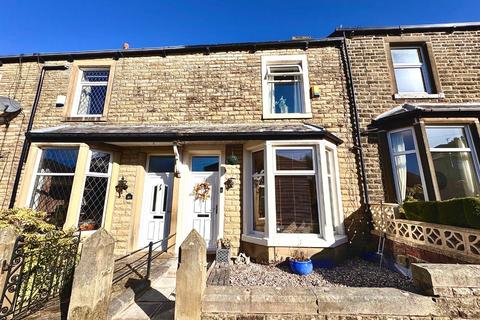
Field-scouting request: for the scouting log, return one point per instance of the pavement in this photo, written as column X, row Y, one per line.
column 158, row 301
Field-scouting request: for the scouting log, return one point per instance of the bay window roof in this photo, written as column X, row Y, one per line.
column 190, row 132
column 411, row 111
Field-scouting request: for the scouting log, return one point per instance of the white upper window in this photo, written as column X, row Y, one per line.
column 285, row 87
column 91, row 92
column 412, row 72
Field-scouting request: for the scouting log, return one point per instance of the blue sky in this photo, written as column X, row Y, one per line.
column 28, row 26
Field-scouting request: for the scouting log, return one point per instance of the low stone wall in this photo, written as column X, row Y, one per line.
column 448, row 292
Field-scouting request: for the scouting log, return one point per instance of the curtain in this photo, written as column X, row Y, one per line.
column 466, row 172
column 297, row 95
column 398, row 145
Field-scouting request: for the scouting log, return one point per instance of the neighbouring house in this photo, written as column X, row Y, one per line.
column 418, row 102
column 275, row 146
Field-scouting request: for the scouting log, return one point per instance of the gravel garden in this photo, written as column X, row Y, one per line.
column 355, row 272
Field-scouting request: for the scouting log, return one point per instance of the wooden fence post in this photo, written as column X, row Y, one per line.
column 92, row 280
column 7, row 242
column 191, row 278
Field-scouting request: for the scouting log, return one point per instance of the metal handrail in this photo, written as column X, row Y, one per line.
column 141, row 262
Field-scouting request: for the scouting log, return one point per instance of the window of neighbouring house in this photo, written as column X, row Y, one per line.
column 296, row 191
column 406, row 165
column 412, row 70
column 454, row 162
column 91, row 92
column 95, row 191
column 258, row 191
column 285, row 86
column 53, row 182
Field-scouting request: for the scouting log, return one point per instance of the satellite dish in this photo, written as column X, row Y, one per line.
column 9, row 108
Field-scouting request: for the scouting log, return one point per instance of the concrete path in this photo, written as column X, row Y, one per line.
column 157, row 302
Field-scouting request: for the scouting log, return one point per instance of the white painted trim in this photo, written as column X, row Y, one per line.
column 286, row 59
column 326, row 236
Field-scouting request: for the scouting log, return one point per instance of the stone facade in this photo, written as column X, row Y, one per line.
column 220, row 87
column 457, row 58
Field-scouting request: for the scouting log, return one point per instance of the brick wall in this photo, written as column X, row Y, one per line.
column 457, row 58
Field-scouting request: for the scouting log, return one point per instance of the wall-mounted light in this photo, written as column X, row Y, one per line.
column 229, row 183
column 121, row 186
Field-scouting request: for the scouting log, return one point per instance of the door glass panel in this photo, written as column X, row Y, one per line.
column 161, row 164
column 154, row 197
column 205, row 163
column 165, row 198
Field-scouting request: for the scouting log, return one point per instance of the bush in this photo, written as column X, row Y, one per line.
column 32, row 224
column 472, row 212
column 459, row 212
column 451, row 212
column 425, row 211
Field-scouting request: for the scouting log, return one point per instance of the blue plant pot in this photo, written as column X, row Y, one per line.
column 302, row 268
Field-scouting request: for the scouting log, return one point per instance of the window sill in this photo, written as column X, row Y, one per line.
column 295, row 240
column 85, row 119
column 288, row 116
column 440, row 95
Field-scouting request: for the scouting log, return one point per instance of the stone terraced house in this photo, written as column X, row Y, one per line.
column 264, row 144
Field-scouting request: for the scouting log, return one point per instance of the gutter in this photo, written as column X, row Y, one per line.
column 171, row 50
column 169, row 137
column 407, row 28
column 356, row 125
column 26, row 143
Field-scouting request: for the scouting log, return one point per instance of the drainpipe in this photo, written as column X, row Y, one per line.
column 356, row 124
column 26, row 144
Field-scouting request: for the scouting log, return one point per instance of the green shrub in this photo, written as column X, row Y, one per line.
column 459, row 212
column 471, row 207
column 425, row 211
column 32, row 224
column 451, row 212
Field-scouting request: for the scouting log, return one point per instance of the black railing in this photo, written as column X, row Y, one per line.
column 139, row 262
column 37, row 272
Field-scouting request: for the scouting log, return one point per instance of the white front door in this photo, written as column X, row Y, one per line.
column 157, row 204
column 203, row 212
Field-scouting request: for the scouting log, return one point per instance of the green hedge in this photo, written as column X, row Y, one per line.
column 460, row 212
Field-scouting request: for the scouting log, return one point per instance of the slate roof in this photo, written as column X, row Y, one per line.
column 409, row 110
column 191, row 132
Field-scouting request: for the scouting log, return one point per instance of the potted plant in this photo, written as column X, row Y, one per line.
column 223, row 251
column 87, row 225
column 300, row 264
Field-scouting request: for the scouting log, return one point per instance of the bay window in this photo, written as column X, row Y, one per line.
column 453, row 166
column 293, row 196
column 70, row 195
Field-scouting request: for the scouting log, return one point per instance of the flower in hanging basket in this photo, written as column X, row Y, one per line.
column 201, row 191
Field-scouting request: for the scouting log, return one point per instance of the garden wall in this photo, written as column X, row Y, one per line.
column 449, row 292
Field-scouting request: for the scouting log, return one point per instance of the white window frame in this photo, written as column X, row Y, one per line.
column 471, row 146
column 87, row 173
column 423, row 66
column 328, row 236
column 79, row 86
column 287, row 60
column 393, row 154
